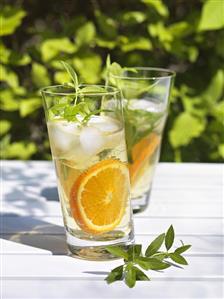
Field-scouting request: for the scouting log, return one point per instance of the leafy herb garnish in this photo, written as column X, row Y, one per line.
column 154, row 259
column 139, row 123
column 78, row 107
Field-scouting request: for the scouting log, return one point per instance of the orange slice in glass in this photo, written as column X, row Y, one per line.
column 99, row 196
column 141, row 152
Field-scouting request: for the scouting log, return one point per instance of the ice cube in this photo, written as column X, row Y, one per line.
column 91, row 140
column 147, row 105
column 62, row 135
column 105, row 124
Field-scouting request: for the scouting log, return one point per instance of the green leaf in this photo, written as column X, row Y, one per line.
column 89, row 67
column 151, row 263
column 28, row 106
column 155, row 245
column 158, row 6
column 5, row 53
column 136, row 43
column 5, row 126
column 133, row 17
column 117, row 251
column 212, row 17
column 130, row 276
column 140, row 275
column 134, row 251
column 21, row 150
column 221, row 150
column 180, row 29
column 218, row 111
column 40, row 75
column 185, row 128
column 105, row 43
column 182, row 249
column 215, row 89
column 10, row 19
column 169, row 238
column 9, row 77
column 85, row 34
column 61, row 77
column 8, row 100
column 178, row 258
column 71, row 73
column 115, row 274
column 51, row 48
column 107, row 25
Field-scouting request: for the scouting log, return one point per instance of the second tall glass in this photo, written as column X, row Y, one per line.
column 145, row 93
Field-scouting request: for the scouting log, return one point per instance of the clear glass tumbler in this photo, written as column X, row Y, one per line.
column 145, row 93
column 86, row 133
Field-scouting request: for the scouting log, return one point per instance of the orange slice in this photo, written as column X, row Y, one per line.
column 141, row 152
column 99, row 196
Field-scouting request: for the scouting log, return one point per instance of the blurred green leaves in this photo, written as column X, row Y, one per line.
column 185, row 128
column 85, row 34
column 10, row 19
column 212, row 15
column 188, row 37
column 52, row 48
column 40, row 75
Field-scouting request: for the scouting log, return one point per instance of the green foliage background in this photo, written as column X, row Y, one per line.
column 187, row 36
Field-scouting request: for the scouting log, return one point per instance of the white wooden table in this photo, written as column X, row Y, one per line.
column 34, row 261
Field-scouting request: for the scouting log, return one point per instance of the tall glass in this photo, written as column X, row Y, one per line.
column 86, row 133
column 146, row 94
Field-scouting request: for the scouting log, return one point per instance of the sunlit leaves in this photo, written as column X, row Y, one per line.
column 8, row 76
column 5, row 126
column 185, row 128
column 53, row 47
column 28, row 106
column 89, row 67
column 212, row 17
column 133, row 17
column 10, row 19
column 20, row 150
column 40, row 75
column 85, row 34
column 135, row 43
column 158, row 6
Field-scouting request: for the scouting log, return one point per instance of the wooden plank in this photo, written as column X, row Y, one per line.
column 143, row 226
column 25, row 205
column 65, row 266
column 167, row 174
column 94, row 289
column 56, row 244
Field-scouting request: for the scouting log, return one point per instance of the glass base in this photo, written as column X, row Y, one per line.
column 140, row 203
column 95, row 250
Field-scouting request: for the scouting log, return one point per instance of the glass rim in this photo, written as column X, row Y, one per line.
column 48, row 90
column 170, row 73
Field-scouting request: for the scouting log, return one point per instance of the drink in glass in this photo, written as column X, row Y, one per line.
column 145, row 94
column 86, row 133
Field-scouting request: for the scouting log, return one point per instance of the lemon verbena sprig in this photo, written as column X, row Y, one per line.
column 154, row 259
column 77, row 106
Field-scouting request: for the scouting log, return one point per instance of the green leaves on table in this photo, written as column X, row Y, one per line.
column 135, row 262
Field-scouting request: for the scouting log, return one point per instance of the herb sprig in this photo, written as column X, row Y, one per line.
column 139, row 123
column 78, row 107
column 135, row 262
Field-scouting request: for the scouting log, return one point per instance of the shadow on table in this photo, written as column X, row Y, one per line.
column 28, row 230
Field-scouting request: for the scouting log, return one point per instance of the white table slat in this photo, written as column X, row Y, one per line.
column 33, row 251
column 70, row 289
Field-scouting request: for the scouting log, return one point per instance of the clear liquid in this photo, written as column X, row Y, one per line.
column 75, row 149
column 144, row 153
